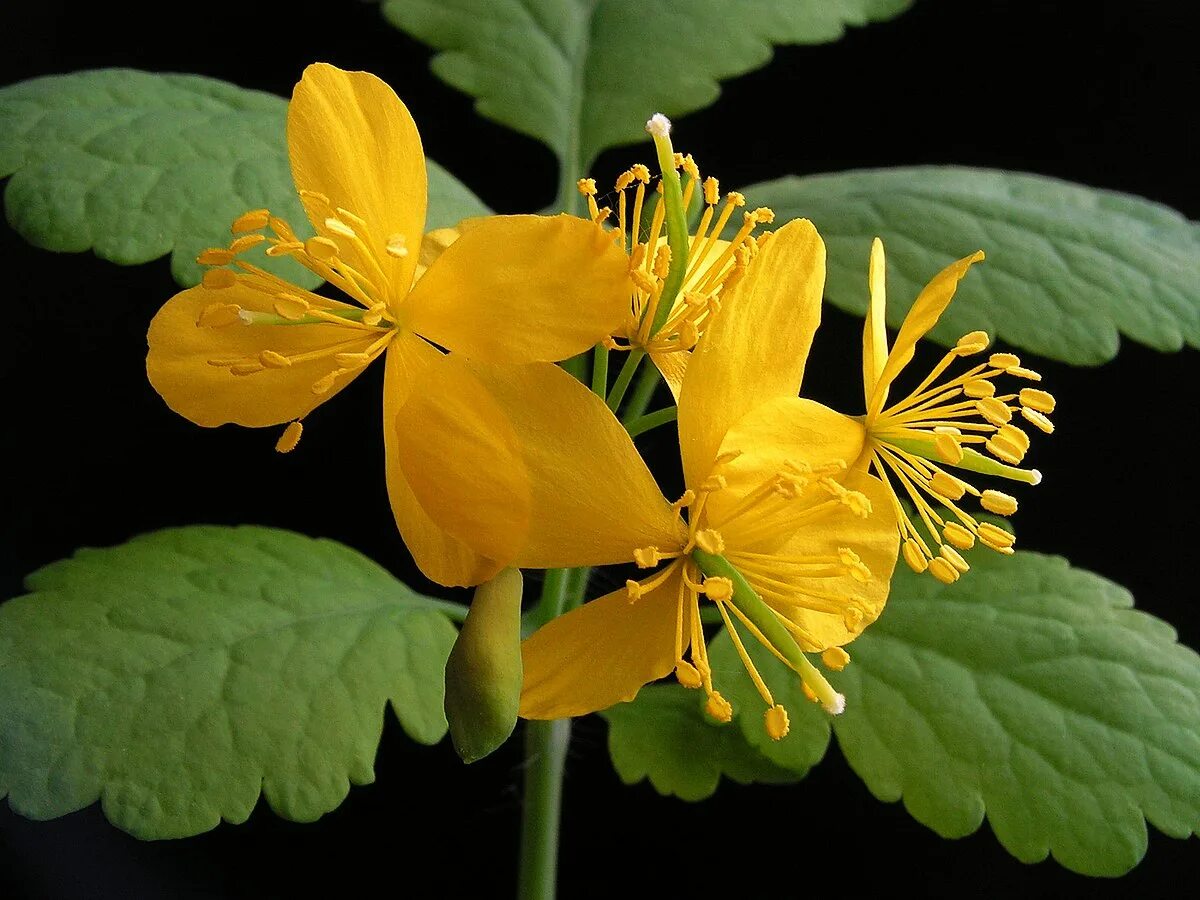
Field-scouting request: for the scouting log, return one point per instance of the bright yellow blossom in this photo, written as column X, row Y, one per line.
column 778, row 535
column 913, row 443
column 250, row 348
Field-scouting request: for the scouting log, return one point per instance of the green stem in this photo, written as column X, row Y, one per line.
column 617, row 394
column 600, row 370
column 642, row 424
column 577, row 366
column 545, row 759
column 643, row 393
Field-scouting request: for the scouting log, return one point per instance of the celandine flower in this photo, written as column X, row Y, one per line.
column 913, row 443
column 250, row 348
column 790, row 547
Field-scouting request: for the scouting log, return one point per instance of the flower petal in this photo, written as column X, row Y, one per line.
column 875, row 539
column 875, row 348
column 178, row 360
column 505, row 455
column 925, row 312
column 756, row 348
column 600, row 654
column 523, row 289
column 351, row 140
column 672, row 366
column 440, row 556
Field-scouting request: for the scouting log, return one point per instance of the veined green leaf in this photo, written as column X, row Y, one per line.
column 135, row 165
column 178, row 675
column 583, row 75
column 1069, row 268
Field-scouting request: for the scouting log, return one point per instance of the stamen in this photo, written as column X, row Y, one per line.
column 916, row 560
column 1038, row 420
column 250, row 221
column 1039, row 401
column 941, row 569
column 959, row 536
column 1004, row 361
column 998, row 503
column 687, row 675
column 972, row 343
column 219, row 279
column 290, row 438
column 776, row 722
column 217, row 315
column 215, row 256
column 718, row 707
column 995, row 537
column 952, row 556
column 835, row 658
column 397, row 246
column 272, row 360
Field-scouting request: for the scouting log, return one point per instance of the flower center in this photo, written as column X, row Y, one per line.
column 939, row 424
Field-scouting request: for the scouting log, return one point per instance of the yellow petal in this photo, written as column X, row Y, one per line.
column 672, row 366
column 440, row 556
column 756, row 349
column 180, row 350
column 925, row 312
column 351, row 140
column 875, row 348
column 875, row 539
column 600, row 654
column 523, row 289
column 525, row 454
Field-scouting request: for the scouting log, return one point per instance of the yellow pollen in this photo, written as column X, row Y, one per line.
column 272, row 360
column 947, row 485
column 250, row 221
column 972, row 343
column 1040, row 401
column 995, row 411
column 710, row 541
column 687, row 674
column 290, row 307
column 290, row 438
column 995, row 537
column 979, row 388
column 734, row 198
column 218, row 314
column 718, row 707
column 640, row 172
column 959, row 536
column 322, row 249
column 834, row 658
column 763, row 215
column 948, row 449
column 999, row 503
column 940, row 569
column 245, row 242
column 1038, row 420
column 215, row 256
column 914, row 557
column 1004, row 360
column 953, row 557
column 586, row 186
column 219, row 279
column 776, row 722
column 646, row 557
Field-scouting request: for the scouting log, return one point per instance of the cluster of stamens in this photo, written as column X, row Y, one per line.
column 944, row 424
column 773, row 576
column 710, row 270
column 364, row 329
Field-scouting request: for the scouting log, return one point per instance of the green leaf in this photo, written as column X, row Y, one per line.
column 135, row 165
column 663, row 735
column 1032, row 692
column 583, row 76
column 1069, row 268
column 175, row 676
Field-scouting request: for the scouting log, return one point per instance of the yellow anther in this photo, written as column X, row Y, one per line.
column 959, row 536
column 352, row 360
column 290, row 438
column 243, row 369
column 250, row 221
column 687, row 674
column 272, row 360
column 913, row 556
column 972, row 343
column 688, row 335
column 995, row 536
column 646, row 557
column 834, row 658
column 245, row 242
column 662, row 261
column 219, row 279
column 602, row 214
column 712, row 191
column 1004, row 450
column 218, row 314
column 1039, row 401
column 283, row 248
column 857, row 502
column 855, row 566
column 677, row 159
column 586, row 186
column 764, row 215
column 322, row 249
column 718, row 707
column 624, row 180
column 281, row 228
column 306, row 194
column 290, row 306
column 642, row 281
column 1015, row 436
column 325, row 385
column 809, row 693
column 941, row 569
column 340, row 228
column 852, row 618
column 947, row 447
column 1022, row 372
column 725, row 457
column 999, row 503
column 397, row 246
column 735, row 198
column 1004, row 360
column 1038, row 420
column 718, row 589
column 687, row 498
column 215, row 256
column 953, row 557
column 374, row 315
column 789, row 487
column 689, row 166
column 710, row 541
column 979, row 387
column 995, row 411
column 947, row 485
column 640, row 172
column 776, row 721
column 713, row 483
column 633, row 590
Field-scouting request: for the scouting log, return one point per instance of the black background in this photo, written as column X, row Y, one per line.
column 1098, row 92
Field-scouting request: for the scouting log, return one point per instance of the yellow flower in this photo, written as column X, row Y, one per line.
column 713, row 265
column 939, row 425
column 250, row 348
column 777, row 535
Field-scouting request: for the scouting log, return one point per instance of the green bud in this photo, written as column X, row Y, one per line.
column 483, row 673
